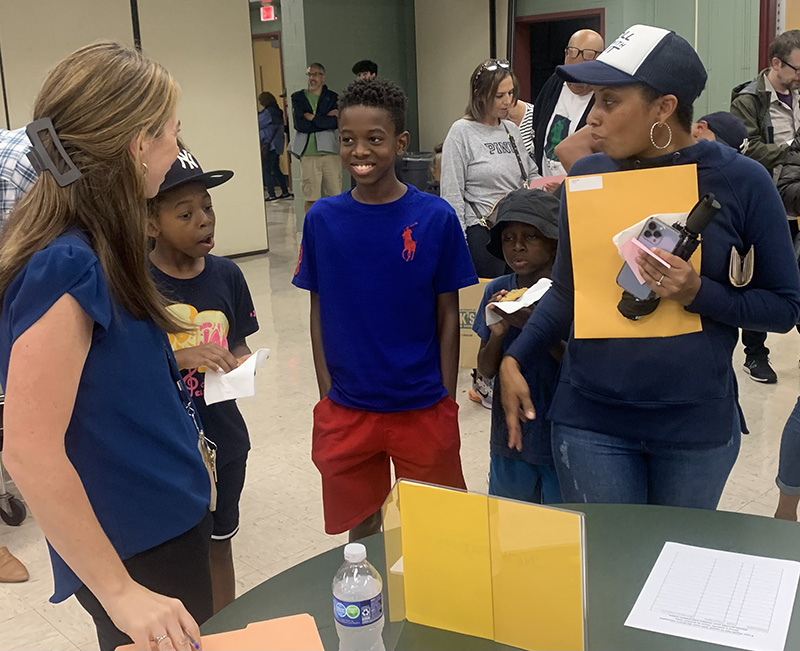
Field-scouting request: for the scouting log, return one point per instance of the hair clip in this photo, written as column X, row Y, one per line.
column 42, row 161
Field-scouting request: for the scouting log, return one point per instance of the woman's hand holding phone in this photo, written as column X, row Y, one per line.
column 679, row 283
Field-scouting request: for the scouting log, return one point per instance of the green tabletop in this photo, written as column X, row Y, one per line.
column 623, row 543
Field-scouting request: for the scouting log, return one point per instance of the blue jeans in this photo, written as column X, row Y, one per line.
column 595, row 467
column 788, row 479
column 520, row 480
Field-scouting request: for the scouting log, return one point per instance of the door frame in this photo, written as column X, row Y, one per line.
column 284, row 99
column 521, row 58
column 767, row 30
column 274, row 36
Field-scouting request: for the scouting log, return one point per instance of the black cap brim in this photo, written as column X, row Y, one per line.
column 208, row 179
column 595, row 73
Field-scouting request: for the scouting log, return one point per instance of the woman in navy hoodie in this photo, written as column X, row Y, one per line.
column 657, row 420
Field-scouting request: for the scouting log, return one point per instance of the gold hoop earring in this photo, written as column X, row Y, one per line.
column 652, row 140
column 144, row 165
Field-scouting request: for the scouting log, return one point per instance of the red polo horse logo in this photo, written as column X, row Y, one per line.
column 409, row 245
column 299, row 260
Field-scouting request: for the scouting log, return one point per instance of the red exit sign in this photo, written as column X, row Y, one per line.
column 268, row 13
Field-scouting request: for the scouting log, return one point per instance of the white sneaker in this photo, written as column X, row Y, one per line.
column 481, row 390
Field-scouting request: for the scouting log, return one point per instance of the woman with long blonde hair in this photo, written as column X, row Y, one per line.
column 98, row 437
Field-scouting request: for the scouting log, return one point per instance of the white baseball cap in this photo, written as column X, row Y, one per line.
column 648, row 55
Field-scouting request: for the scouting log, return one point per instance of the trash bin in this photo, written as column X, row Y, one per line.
column 412, row 168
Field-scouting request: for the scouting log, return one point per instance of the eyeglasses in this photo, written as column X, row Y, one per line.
column 315, row 74
column 491, row 65
column 786, row 63
column 586, row 55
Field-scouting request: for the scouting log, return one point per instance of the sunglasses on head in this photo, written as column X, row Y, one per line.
column 491, row 65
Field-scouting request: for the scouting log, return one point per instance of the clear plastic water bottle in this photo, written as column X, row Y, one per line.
column 358, row 602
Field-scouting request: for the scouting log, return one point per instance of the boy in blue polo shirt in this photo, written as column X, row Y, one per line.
column 384, row 263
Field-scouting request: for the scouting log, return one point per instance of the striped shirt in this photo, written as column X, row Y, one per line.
column 16, row 172
column 526, row 127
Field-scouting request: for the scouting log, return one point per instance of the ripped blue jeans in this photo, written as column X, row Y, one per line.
column 599, row 468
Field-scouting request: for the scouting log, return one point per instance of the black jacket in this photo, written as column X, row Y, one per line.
column 788, row 180
column 328, row 101
column 543, row 109
column 750, row 101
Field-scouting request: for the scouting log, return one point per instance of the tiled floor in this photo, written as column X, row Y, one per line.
column 281, row 522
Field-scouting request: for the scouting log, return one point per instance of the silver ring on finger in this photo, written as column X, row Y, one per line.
column 660, row 280
column 161, row 638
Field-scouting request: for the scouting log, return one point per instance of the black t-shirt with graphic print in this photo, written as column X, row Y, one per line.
column 218, row 302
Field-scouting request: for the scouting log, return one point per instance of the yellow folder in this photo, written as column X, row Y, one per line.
column 503, row 570
column 602, row 205
column 537, row 575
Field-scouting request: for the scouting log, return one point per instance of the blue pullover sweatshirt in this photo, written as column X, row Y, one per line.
column 678, row 389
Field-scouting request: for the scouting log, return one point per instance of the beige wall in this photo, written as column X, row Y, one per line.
column 792, row 14
column 502, row 28
column 206, row 45
column 37, row 35
column 3, row 114
column 452, row 38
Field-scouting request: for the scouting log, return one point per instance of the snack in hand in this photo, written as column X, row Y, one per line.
column 514, row 294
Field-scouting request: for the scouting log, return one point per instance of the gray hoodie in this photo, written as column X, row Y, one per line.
column 479, row 167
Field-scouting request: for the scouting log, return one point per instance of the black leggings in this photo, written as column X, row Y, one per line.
column 271, row 172
column 486, row 265
column 177, row 568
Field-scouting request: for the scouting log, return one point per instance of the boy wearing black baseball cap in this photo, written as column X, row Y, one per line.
column 722, row 127
column 211, row 296
column 525, row 235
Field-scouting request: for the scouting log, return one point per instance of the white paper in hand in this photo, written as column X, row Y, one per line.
column 238, row 383
column 526, row 300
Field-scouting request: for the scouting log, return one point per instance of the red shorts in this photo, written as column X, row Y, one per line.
column 352, row 447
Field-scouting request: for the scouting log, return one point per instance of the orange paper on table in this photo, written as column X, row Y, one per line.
column 295, row 633
column 602, row 205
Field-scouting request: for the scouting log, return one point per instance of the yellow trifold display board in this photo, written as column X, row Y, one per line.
column 485, row 566
column 602, row 205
